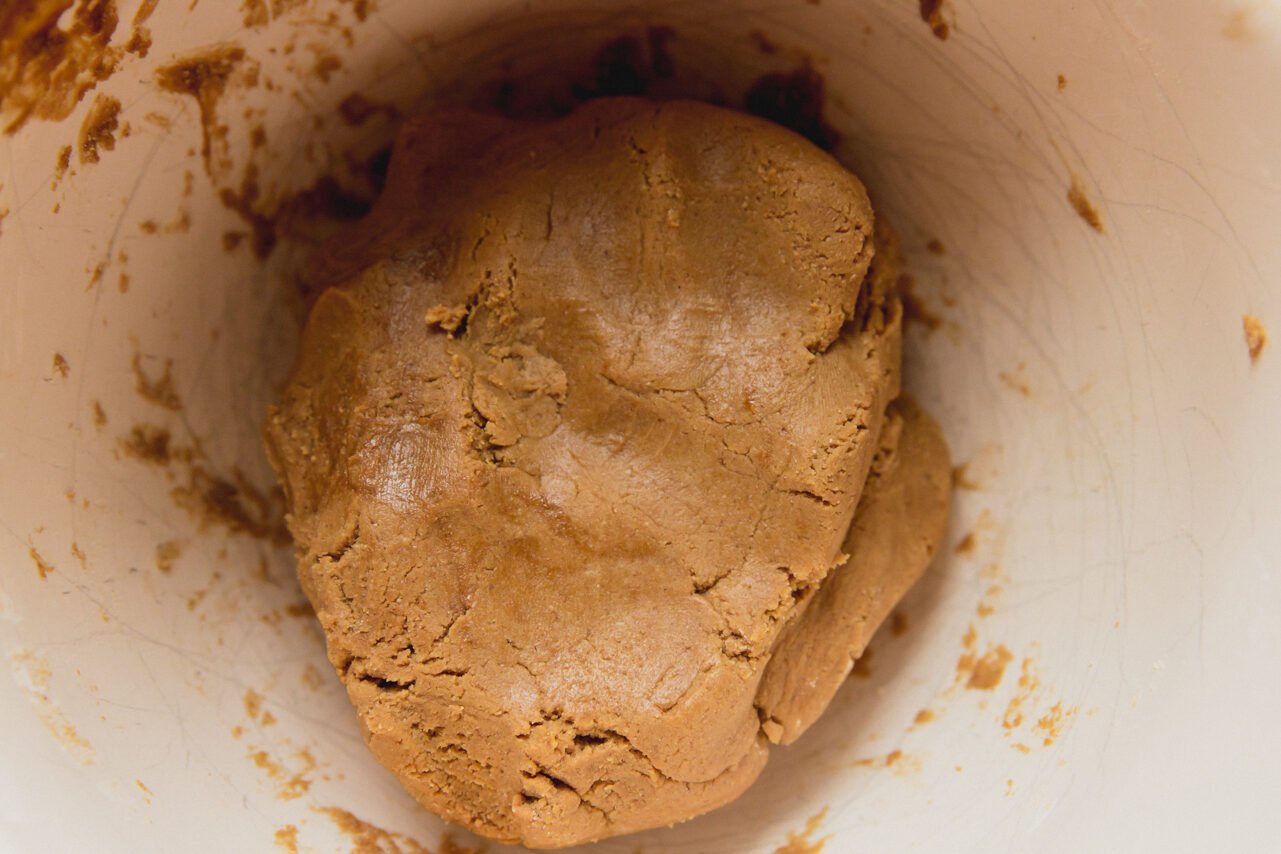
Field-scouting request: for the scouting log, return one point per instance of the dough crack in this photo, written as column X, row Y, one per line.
column 384, row 684
column 348, row 543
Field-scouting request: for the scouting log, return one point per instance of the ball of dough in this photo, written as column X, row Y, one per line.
column 571, row 453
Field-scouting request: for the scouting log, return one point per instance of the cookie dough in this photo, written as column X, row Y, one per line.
column 571, row 453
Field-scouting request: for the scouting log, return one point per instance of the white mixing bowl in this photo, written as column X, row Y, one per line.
column 1089, row 666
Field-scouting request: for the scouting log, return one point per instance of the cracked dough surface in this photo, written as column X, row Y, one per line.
column 571, row 452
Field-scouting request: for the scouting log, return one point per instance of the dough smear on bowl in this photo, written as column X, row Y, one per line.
column 571, row 452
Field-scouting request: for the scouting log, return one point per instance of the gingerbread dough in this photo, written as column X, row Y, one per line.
column 571, row 453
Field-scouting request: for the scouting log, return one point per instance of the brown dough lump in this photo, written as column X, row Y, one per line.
column 572, row 449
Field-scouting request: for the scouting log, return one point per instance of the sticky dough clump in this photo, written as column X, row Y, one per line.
column 571, row 454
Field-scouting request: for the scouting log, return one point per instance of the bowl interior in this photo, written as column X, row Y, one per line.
column 1088, row 196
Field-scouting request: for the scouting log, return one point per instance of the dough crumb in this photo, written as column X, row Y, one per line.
column 43, row 567
column 1256, row 336
column 986, row 672
column 932, row 14
column 803, row 842
column 448, row 318
column 167, row 554
column 1083, row 206
column 287, row 838
column 98, row 132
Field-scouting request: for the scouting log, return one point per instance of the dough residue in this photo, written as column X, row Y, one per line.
column 1256, row 336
